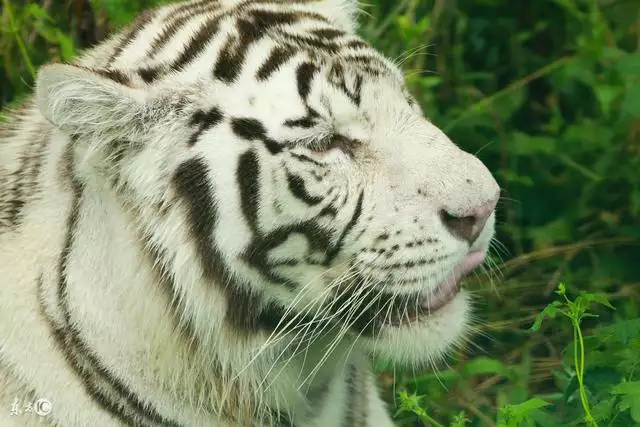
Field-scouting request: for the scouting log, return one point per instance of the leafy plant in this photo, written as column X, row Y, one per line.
column 575, row 311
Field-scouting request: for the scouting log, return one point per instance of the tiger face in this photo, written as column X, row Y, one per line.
column 288, row 180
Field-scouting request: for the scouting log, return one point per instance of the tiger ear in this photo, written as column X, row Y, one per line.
column 83, row 101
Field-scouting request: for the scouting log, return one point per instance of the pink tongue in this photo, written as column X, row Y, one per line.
column 451, row 285
column 464, row 267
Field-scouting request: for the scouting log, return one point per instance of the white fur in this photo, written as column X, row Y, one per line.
column 114, row 297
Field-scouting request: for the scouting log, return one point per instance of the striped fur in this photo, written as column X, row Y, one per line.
column 215, row 216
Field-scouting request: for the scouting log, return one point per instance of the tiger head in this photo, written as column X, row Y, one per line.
column 283, row 177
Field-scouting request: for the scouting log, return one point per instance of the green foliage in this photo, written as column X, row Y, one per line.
column 547, row 93
column 520, row 414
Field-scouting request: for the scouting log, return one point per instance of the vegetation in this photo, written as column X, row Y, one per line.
column 547, row 93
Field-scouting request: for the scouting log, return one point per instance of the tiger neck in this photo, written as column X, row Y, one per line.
column 120, row 306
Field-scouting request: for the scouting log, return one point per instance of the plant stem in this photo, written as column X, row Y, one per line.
column 428, row 419
column 578, row 355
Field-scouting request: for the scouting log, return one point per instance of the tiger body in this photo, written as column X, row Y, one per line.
column 216, row 216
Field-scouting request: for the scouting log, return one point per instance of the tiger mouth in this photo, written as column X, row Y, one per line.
column 389, row 309
column 443, row 294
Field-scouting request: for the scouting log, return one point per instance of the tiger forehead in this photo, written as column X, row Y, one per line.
column 233, row 33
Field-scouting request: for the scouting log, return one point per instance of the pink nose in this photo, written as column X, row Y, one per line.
column 468, row 225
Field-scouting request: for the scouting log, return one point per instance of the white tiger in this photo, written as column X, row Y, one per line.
column 216, row 216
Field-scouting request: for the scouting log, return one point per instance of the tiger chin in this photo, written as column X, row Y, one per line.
column 218, row 215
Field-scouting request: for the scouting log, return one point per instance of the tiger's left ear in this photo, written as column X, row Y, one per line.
column 81, row 101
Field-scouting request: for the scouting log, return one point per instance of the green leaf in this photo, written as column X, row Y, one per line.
column 623, row 331
column 631, row 103
column 531, row 404
column 484, row 366
column 629, row 64
column 606, row 94
column 598, row 297
column 630, row 392
column 599, row 381
column 507, row 105
column 35, row 11
column 459, row 420
column 549, row 311
column 628, row 388
column 514, row 415
column 67, row 47
column 513, row 177
column 527, row 145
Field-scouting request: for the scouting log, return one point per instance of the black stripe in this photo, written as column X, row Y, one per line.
column 244, row 312
column 368, row 63
column 278, row 57
column 304, row 75
column 126, row 405
column 328, row 33
column 356, row 415
column 194, row 47
column 172, row 27
column 267, row 19
column 192, row 185
column 252, row 129
column 131, row 33
column 256, row 254
column 227, row 65
column 304, row 122
column 249, row 129
column 244, row 307
column 316, row 235
column 338, row 79
column 88, row 378
column 298, row 189
column 204, row 120
column 25, row 178
column 329, row 210
column 351, row 381
column 307, row 159
column 115, row 75
column 356, row 93
column 197, row 44
column 169, row 31
column 233, row 54
column 358, row 44
column 252, row 28
column 149, row 74
column 5, row 197
column 307, row 121
column 327, row 47
column 335, row 249
column 248, row 178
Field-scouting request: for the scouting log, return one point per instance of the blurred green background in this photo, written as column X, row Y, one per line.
column 547, row 93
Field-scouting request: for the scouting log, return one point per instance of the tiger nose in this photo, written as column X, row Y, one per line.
column 468, row 225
